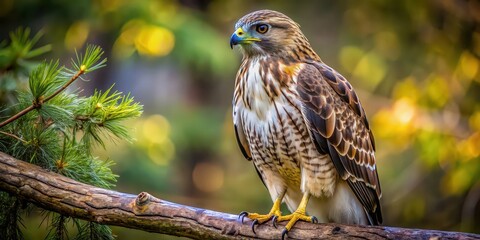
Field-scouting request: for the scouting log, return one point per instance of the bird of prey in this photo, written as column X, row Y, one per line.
column 302, row 125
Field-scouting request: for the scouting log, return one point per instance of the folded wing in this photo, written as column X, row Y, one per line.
column 339, row 127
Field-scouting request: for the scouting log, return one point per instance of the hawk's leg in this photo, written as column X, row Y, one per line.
column 299, row 214
column 274, row 213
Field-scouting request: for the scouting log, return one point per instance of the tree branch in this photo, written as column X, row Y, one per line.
column 60, row 194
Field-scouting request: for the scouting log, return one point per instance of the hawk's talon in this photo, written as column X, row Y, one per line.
column 242, row 216
column 284, row 233
column 274, row 220
column 314, row 219
column 255, row 222
column 258, row 219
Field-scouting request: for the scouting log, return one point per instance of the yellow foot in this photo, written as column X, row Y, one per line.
column 260, row 218
column 293, row 218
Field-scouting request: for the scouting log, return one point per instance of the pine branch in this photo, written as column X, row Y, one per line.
column 18, row 115
column 46, row 133
column 47, row 76
column 58, row 193
column 61, row 89
column 13, row 136
column 36, row 105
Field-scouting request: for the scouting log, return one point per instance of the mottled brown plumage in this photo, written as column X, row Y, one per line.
column 302, row 125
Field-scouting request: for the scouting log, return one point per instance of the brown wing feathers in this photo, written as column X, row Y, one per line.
column 339, row 128
column 242, row 143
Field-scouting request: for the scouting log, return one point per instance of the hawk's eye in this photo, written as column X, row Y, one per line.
column 262, row 28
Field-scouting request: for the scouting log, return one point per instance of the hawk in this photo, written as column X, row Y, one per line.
column 302, row 125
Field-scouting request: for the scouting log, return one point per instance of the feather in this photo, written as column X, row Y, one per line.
column 240, row 136
column 339, row 127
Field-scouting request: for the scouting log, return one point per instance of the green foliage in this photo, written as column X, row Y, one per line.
column 57, row 130
column 20, row 49
column 57, row 228
column 91, row 60
column 92, row 230
column 44, row 80
column 10, row 220
column 16, row 62
column 102, row 112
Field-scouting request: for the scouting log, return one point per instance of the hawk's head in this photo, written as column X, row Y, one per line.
column 268, row 32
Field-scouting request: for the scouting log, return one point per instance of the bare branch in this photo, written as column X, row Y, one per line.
column 57, row 193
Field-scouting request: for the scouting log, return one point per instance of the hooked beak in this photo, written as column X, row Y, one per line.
column 240, row 37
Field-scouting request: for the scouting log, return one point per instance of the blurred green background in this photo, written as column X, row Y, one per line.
column 414, row 64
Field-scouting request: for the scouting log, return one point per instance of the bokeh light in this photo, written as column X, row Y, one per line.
column 153, row 135
column 154, row 41
column 76, row 35
column 208, row 177
column 148, row 39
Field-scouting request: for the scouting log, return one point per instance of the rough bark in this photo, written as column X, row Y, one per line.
column 57, row 193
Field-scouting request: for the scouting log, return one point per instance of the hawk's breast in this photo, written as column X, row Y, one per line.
column 271, row 116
